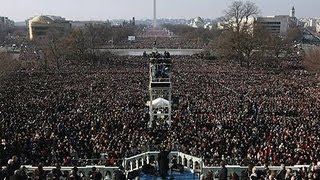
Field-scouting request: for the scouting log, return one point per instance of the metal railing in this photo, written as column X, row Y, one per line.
column 192, row 163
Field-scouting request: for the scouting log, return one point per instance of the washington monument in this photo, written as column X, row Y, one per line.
column 154, row 13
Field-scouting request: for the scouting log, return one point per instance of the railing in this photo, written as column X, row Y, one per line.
column 194, row 164
column 239, row 169
column 136, row 162
column 84, row 169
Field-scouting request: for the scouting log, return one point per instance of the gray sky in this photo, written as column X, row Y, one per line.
column 19, row 10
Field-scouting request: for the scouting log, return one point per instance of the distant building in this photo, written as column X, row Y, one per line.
column 83, row 24
column 278, row 25
column 5, row 24
column 318, row 26
column 133, row 21
column 197, row 22
column 293, row 12
column 208, row 26
column 248, row 23
column 293, row 19
column 41, row 26
column 310, row 22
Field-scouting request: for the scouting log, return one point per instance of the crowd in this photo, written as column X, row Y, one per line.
column 166, row 43
column 253, row 173
column 222, row 112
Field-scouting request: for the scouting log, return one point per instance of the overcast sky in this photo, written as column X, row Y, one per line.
column 19, row 10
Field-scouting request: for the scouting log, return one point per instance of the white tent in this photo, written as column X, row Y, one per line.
column 160, row 102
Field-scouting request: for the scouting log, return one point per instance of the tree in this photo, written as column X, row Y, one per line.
column 7, row 64
column 77, row 45
column 55, row 49
column 238, row 14
column 311, row 60
column 97, row 35
column 187, row 32
column 51, row 49
column 240, row 40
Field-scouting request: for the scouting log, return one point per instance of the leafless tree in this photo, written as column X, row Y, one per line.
column 240, row 41
column 7, row 64
column 238, row 14
column 311, row 60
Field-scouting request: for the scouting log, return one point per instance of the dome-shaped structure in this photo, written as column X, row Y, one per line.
column 40, row 26
column 41, row 20
column 197, row 22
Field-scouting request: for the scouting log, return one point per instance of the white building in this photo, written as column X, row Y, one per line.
column 278, row 25
column 308, row 22
column 275, row 24
column 245, row 23
column 208, row 26
column 40, row 26
column 197, row 22
column 318, row 26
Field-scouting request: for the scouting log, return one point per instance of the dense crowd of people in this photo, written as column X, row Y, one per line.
column 253, row 173
column 166, row 43
column 222, row 111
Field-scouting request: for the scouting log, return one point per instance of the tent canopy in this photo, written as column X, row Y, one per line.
column 160, row 102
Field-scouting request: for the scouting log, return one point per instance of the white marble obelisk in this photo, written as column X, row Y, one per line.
column 154, row 13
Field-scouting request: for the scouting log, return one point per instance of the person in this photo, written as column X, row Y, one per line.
column 16, row 163
column 144, row 54
column 108, row 176
column 223, row 173
column 74, row 174
column 119, row 174
column 235, row 176
column 163, row 161
column 21, row 173
column 96, row 174
column 245, row 175
column 10, row 168
column 40, row 173
column 57, row 172
column 2, row 174
column 254, row 175
column 282, row 173
column 288, row 174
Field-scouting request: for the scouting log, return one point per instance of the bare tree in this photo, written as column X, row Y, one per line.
column 311, row 60
column 238, row 14
column 241, row 40
column 77, row 45
column 94, row 33
column 51, row 49
column 7, row 64
column 55, row 48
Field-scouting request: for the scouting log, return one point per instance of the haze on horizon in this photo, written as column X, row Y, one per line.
column 19, row 10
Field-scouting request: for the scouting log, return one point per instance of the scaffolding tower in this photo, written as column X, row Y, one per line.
column 160, row 90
